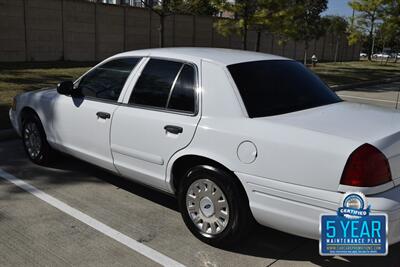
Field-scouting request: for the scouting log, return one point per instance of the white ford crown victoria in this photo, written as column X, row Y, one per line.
column 234, row 135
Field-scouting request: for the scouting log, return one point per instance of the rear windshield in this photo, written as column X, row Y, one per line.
column 273, row 87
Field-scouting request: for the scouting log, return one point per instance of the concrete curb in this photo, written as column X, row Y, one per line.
column 368, row 83
column 8, row 134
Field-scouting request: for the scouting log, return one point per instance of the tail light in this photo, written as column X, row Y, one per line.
column 366, row 167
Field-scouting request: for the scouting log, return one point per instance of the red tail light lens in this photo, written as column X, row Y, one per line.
column 366, row 167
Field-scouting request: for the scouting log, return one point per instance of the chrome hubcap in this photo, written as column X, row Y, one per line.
column 32, row 140
column 207, row 206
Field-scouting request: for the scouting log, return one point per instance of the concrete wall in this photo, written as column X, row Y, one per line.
column 12, row 31
column 137, row 29
column 76, row 30
column 79, row 31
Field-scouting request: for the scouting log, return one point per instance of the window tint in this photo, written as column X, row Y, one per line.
column 155, row 82
column 183, row 94
column 274, row 87
column 107, row 80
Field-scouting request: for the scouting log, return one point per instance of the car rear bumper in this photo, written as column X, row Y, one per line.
column 296, row 209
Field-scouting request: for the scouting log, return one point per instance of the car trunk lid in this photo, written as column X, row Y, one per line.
column 377, row 126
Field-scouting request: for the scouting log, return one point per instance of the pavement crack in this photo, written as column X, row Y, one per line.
column 288, row 253
column 146, row 238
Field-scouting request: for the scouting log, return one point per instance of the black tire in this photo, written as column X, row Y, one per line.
column 240, row 218
column 45, row 152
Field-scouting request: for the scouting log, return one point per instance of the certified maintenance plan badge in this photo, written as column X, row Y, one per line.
column 353, row 231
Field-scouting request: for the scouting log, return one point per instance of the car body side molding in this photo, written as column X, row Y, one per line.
column 137, row 154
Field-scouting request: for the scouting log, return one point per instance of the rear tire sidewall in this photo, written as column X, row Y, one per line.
column 238, row 205
column 44, row 154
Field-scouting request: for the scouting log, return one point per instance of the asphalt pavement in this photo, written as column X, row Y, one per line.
column 74, row 214
column 385, row 95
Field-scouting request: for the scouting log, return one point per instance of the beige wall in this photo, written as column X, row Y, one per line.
column 75, row 30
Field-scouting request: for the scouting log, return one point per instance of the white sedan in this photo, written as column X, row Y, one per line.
column 234, row 135
column 381, row 55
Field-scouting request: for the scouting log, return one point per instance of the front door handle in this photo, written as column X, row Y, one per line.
column 173, row 129
column 103, row 115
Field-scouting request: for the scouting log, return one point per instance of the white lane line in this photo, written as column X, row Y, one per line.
column 99, row 226
column 367, row 98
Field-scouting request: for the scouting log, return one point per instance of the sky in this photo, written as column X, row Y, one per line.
column 338, row 7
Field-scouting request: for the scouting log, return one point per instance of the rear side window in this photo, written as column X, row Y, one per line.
column 183, row 94
column 107, row 80
column 167, row 85
column 155, row 83
column 273, row 87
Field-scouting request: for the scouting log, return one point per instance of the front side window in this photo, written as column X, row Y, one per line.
column 167, row 85
column 106, row 81
column 274, row 87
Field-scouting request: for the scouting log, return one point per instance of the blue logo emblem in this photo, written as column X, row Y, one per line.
column 353, row 206
column 353, row 230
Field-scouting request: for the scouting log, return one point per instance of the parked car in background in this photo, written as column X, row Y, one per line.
column 381, row 56
column 363, row 55
column 234, row 135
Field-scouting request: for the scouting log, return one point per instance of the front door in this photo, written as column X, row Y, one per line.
column 82, row 124
column 159, row 118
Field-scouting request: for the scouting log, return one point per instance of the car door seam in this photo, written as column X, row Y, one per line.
column 109, row 139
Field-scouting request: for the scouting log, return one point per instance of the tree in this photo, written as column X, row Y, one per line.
column 162, row 8
column 369, row 12
column 307, row 21
column 243, row 12
column 354, row 32
column 273, row 16
column 338, row 27
column 391, row 25
column 199, row 7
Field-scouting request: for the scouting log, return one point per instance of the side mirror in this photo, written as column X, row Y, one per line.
column 65, row 88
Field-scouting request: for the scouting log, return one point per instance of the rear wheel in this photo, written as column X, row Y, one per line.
column 34, row 140
column 214, row 206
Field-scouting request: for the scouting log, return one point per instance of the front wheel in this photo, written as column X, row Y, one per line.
column 35, row 141
column 214, row 206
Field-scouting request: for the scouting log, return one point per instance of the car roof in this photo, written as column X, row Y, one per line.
column 218, row 55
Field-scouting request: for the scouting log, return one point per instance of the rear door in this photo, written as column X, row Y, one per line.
column 159, row 118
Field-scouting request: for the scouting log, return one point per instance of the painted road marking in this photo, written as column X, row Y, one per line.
column 146, row 251
column 366, row 98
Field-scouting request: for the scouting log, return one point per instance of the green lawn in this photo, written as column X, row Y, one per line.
column 356, row 71
column 22, row 77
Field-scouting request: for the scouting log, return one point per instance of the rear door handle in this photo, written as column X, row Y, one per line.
column 103, row 115
column 173, row 129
